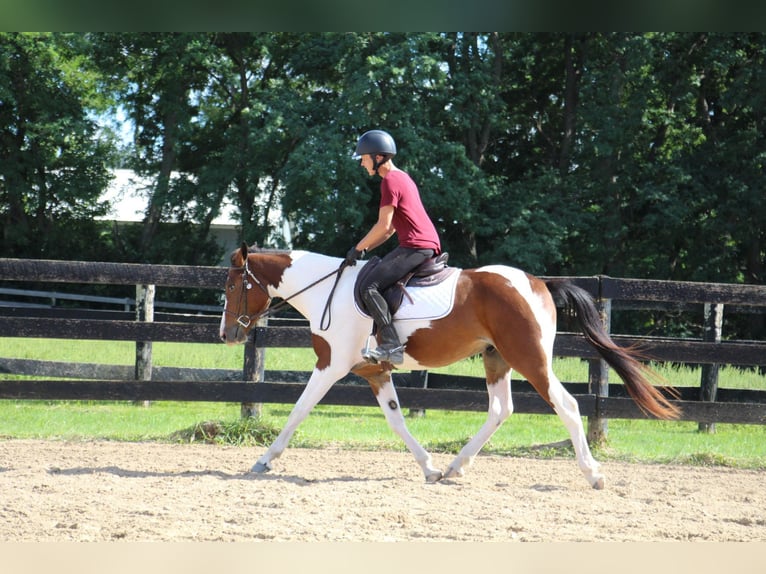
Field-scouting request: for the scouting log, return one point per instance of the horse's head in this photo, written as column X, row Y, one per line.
column 246, row 298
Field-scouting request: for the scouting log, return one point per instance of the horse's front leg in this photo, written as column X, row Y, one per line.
column 385, row 393
column 317, row 387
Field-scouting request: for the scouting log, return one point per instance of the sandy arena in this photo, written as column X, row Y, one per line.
column 108, row 491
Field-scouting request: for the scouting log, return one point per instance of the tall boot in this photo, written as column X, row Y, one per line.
column 390, row 349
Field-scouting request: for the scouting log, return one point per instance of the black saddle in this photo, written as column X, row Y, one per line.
column 431, row 272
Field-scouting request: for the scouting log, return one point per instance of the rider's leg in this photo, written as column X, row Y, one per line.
column 395, row 265
column 390, row 348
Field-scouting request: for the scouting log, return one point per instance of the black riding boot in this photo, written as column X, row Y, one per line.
column 390, row 349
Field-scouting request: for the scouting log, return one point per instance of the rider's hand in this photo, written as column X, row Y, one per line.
column 352, row 255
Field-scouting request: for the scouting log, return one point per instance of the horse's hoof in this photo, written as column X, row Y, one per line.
column 453, row 472
column 599, row 483
column 433, row 477
column 260, row 467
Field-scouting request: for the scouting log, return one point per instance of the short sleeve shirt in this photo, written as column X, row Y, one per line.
column 413, row 226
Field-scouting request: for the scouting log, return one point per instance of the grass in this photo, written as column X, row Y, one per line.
column 358, row 427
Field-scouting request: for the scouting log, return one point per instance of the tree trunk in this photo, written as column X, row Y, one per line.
column 160, row 195
column 573, row 63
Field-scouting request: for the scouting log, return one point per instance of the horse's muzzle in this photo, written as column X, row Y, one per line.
column 233, row 335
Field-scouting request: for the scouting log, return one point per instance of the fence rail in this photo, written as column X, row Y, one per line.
column 597, row 398
column 127, row 303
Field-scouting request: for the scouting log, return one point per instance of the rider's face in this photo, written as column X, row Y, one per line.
column 366, row 163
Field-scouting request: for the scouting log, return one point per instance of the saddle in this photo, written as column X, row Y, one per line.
column 431, row 272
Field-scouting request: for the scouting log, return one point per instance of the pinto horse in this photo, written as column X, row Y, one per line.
column 502, row 313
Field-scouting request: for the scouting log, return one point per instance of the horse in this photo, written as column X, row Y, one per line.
column 502, row 313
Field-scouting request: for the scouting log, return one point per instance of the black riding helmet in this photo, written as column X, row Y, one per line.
column 375, row 142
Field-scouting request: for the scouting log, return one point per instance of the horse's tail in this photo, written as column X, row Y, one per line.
column 623, row 360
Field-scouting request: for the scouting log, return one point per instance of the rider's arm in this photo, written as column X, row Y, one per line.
column 380, row 232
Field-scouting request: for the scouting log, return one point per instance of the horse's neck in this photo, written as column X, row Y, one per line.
column 306, row 268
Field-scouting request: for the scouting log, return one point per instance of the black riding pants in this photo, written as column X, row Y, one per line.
column 391, row 268
column 396, row 265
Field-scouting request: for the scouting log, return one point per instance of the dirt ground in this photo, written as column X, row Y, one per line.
column 107, row 491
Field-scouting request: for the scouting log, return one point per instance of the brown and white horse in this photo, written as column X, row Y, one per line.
column 505, row 314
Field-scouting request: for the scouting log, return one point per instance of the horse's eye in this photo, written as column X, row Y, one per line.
column 232, row 287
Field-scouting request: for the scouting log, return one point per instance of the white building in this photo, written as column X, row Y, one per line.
column 128, row 196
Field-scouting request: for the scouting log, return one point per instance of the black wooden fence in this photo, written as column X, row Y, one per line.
column 598, row 399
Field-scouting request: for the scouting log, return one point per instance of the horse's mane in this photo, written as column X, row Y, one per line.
column 255, row 249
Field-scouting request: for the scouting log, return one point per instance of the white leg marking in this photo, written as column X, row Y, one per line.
column 569, row 412
column 389, row 404
column 500, row 408
column 317, row 387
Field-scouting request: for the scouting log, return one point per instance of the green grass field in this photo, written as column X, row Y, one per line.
column 361, row 427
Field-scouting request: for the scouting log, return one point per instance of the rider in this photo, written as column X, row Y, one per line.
column 401, row 212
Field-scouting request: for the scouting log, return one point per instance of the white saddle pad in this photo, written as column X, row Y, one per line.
column 433, row 302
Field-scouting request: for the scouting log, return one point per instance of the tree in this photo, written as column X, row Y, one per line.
column 238, row 146
column 630, row 154
column 153, row 77
column 52, row 165
column 401, row 83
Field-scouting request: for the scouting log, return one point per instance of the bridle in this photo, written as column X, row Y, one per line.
column 245, row 320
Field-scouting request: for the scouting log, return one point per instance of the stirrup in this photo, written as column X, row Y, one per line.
column 393, row 355
column 382, row 355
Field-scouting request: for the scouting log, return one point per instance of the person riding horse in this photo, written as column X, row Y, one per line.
column 402, row 212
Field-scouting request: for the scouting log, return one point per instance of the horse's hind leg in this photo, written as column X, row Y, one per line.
column 500, row 408
column 568, row 411
column 385, row 393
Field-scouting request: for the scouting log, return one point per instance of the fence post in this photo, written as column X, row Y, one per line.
column 598, row 379
column 712, row 328
column 418, row 380
column 144, row 312
column 254, row 370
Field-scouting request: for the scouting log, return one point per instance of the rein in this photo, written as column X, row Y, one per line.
column 246, row 320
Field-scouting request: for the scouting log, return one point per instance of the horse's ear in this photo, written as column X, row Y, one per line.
column 243, row 251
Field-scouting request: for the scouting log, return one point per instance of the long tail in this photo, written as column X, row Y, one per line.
column 624, row 361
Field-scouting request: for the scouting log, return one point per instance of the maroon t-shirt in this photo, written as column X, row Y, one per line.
column 413, row 226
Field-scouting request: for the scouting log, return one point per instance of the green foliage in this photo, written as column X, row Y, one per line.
column 629, row 154
column 243, row 432
column 52, row 166
column 707, row 459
